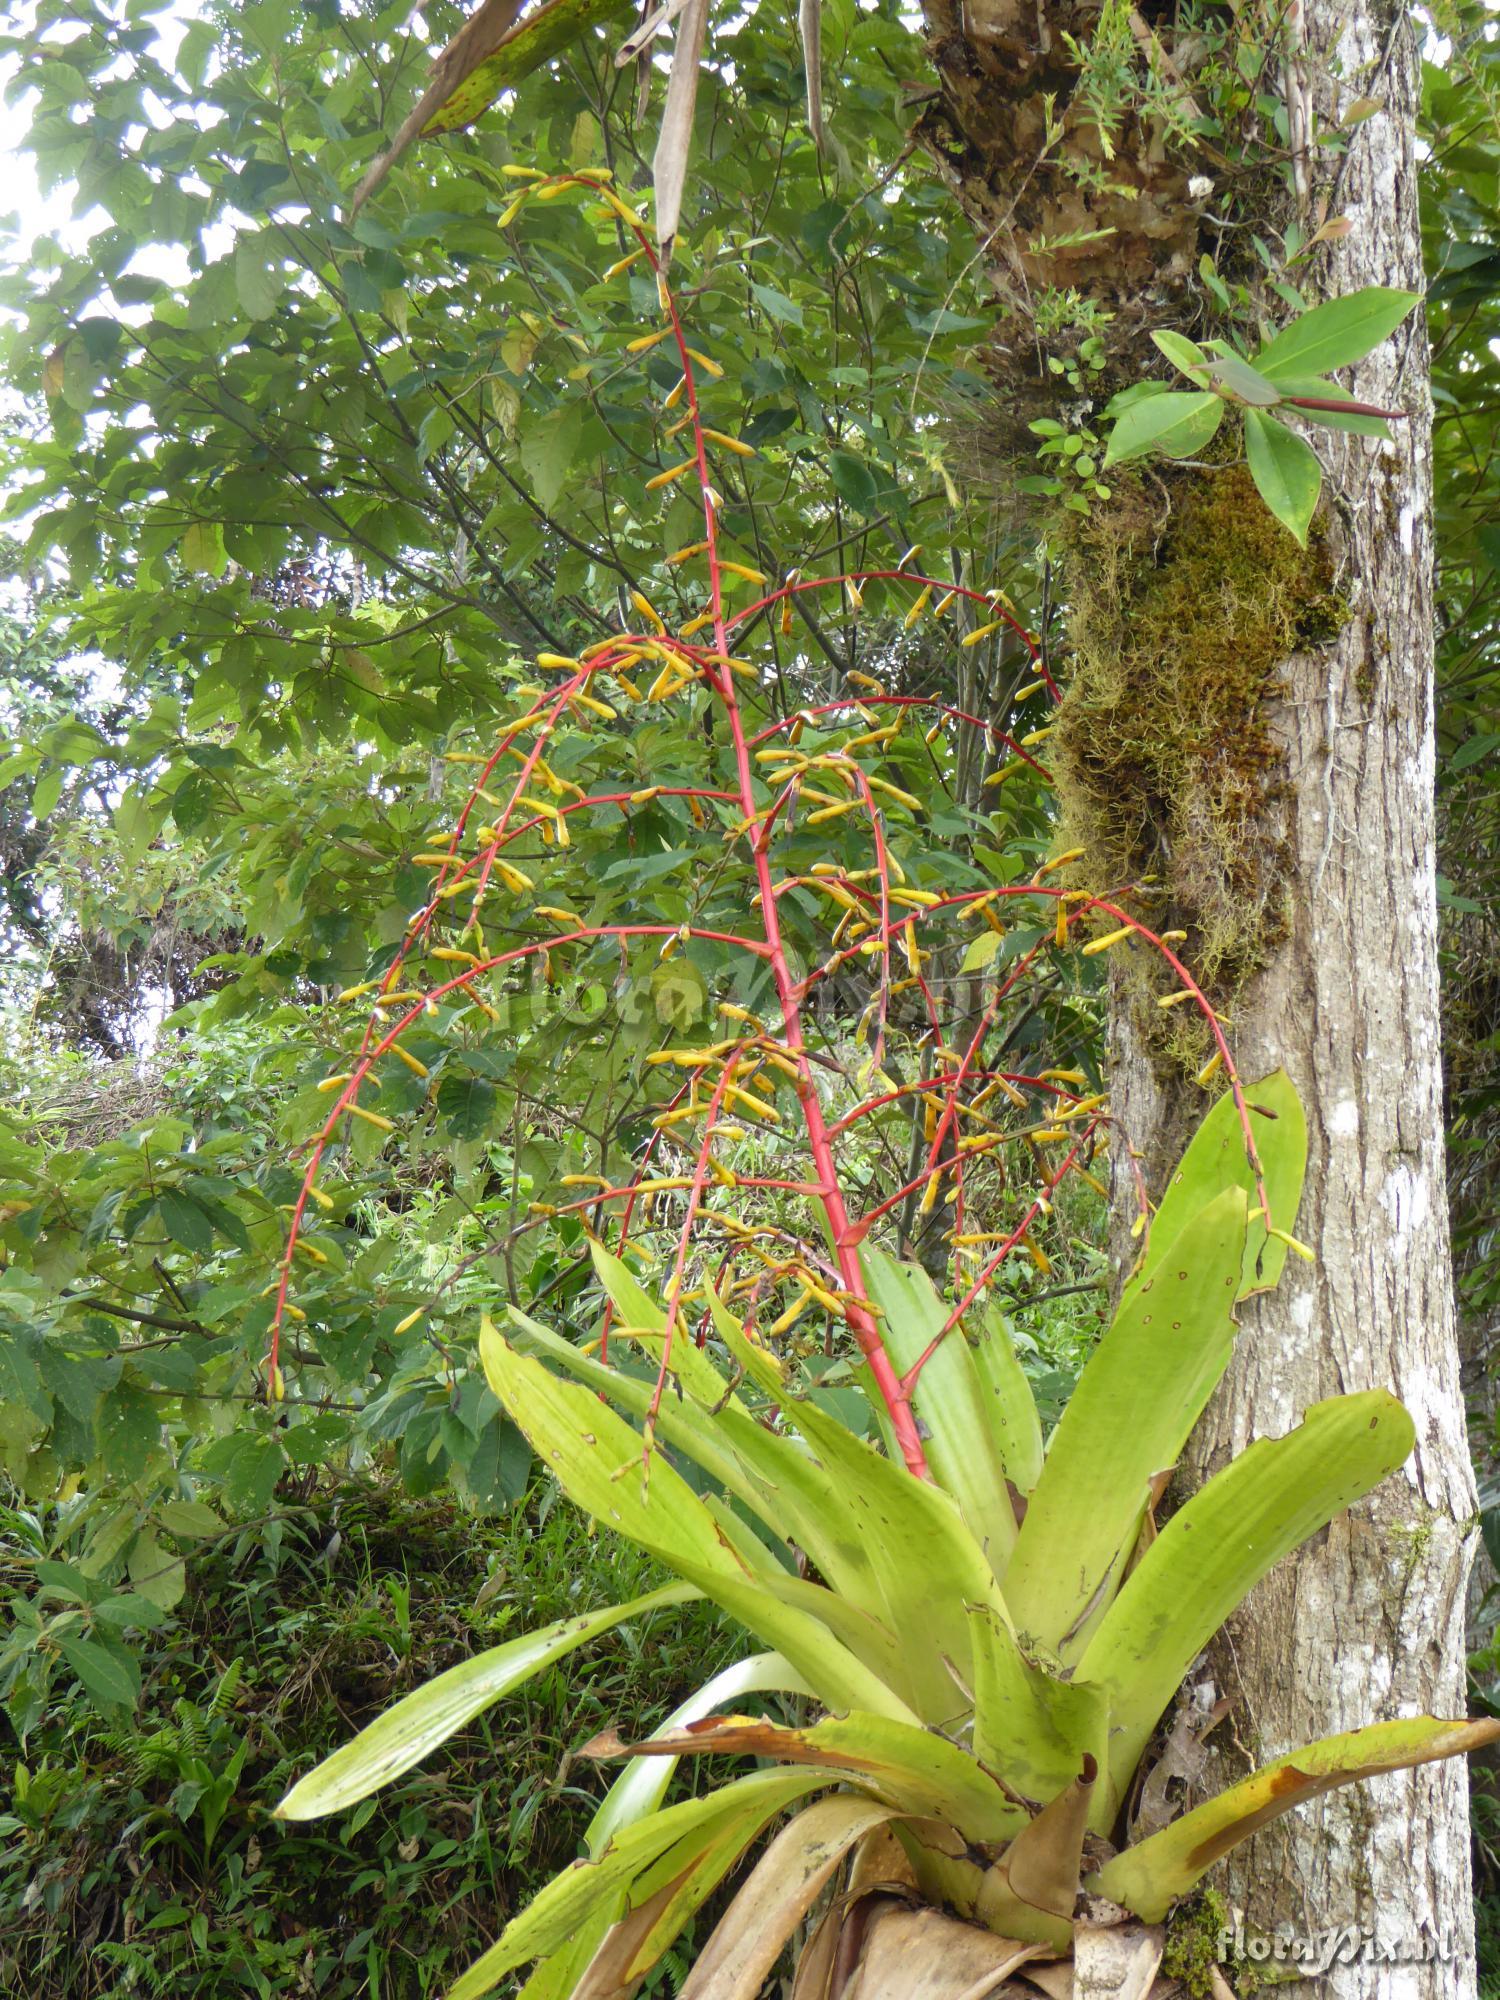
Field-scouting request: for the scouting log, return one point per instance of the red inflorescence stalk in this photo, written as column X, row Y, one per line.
column 882, row 929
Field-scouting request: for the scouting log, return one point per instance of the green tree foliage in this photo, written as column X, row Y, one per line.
column 1461, row 229
column 313, row 493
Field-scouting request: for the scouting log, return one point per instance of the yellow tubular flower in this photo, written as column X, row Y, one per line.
column 648, row 611
column 792, row 1314
column 669, row 477
column 1099, row 944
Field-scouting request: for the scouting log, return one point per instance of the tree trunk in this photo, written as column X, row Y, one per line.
column 1368, row 1623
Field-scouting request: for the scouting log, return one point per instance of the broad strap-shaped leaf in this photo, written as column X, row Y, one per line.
column 781, row 1889
column 960, row 1435
column 1208, row 1557
column 414, row 1726
column 1009, row 1399
column 635, row 1794
column 928, row 1563
column 771, row 1473
column 642, row 1785
column 1032, row 1729
column 1335, row 335
column 704, row 1442
column 1031, row 1891
column 918, row 1771
column 1286, row 472
column 775, row 1475
column 914, row 1769
column 1140, row 1393
column 735, row 1812
column 597, row 1459
column 1150, row 1878
column 916, row 1674
column 659, row 1904
column 556, row 1975
column 1215, row 1159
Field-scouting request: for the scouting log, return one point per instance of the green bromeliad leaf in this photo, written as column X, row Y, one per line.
column 961, row 1435
column 420, row 1721
column 1215, row 1159
column 916, row 1769
column 723, row 1822
column 1031, row 1727
column 1141, row 1392
column 929, row 1565
column 1011, row 1403
column 635, row 1795
column 1201, row 1566
column 599, row 1462
column 1149, row 1878
column 789, row 1489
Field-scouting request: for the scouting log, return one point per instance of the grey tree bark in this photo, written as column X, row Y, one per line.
column 1367, row 1624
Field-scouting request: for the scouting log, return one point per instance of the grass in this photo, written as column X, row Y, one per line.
column 140, row 1858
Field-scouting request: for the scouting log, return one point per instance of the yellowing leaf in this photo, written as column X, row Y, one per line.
column 1150, row 1877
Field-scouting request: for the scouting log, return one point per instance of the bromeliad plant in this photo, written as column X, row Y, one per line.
column 985, row 1633
column 987, row 1649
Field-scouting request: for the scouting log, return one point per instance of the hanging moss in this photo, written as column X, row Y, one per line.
column 1188, row 597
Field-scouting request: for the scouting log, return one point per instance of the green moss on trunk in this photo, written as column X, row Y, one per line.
column 1188, row 597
